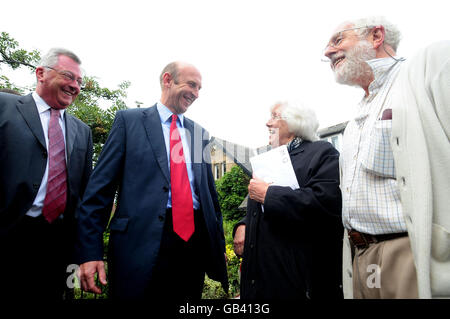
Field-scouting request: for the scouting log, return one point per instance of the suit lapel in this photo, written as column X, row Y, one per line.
column 152, row 124
column 71, row 131
column 27, row 107
column 196, row 149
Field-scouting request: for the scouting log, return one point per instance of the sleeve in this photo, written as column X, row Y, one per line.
column 439, row 89
column 88, row 164
column 319, row 195
column 243, row 221
column 95, row 208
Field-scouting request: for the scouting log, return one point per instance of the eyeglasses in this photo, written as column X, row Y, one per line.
column 337, row 39
column 277, row 117
column 69, row 76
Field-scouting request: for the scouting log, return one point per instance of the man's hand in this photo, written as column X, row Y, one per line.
column 257, row 189
column 87, row 276
column 238, row 242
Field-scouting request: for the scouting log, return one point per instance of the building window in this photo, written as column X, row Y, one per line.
column 224, row 168
column 216, row 171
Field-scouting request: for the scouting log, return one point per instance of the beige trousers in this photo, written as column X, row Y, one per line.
column 385, row 270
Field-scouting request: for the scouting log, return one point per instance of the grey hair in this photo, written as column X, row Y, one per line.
column 392, row 33
column 301, row 121
column 171, row 68
column 51, row 58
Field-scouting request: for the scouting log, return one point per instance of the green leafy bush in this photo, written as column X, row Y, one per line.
column 231, row 190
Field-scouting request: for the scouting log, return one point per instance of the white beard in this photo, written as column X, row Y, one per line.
column 354, row 68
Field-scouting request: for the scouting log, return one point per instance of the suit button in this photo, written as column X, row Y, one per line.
column 44, row 154
column 254, row 214
column 161, row 218
column 251, row 246
column 36, row 185
column 165, row 188
column 253, row 281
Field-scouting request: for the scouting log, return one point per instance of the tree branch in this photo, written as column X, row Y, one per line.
column 9, row 61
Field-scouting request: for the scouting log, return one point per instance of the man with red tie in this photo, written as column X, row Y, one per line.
column 46, row 160
column 166, row 232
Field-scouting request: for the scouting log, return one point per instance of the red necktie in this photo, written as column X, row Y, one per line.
column 182, row 205
column 56, row 196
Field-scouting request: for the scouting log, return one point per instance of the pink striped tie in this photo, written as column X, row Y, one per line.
column 56, row 196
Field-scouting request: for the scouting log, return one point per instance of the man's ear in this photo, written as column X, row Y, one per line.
column 378, row 36
column 167, row 80
column 39, row 73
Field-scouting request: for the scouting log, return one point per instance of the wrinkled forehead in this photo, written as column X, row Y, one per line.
column 66, row 63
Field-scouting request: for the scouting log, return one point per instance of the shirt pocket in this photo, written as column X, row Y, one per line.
column 377, row 157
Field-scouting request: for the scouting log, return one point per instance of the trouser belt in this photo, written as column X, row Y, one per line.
column 361, row 240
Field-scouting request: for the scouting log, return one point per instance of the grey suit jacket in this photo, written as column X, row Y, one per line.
column 23, row 158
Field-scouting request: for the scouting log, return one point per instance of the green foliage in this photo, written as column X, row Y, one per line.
column 233, row 266
column 232, row 189
column 213, row 290
column 15, row 58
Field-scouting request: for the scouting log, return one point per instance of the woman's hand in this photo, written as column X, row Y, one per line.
column 238, row 241
column 257, row 189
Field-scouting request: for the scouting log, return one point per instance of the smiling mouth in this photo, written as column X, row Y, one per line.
column 69, row 93
column 189, row 99
column 336, row 61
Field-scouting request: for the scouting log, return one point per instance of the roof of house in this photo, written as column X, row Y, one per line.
column 332, row 130
column 238, row 153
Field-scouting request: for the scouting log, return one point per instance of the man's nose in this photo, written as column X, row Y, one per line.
column 75, row 87
column 196, row 92
column 329, row 51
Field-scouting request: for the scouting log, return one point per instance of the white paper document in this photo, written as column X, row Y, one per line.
column 275, row 167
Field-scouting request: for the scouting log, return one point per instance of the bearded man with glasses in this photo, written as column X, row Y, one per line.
column 46, row 160
column 395, row 177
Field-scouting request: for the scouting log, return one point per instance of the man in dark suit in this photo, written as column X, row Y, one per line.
column 166, row 231
column 46, row 160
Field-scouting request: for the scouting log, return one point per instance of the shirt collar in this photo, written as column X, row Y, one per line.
column 165, row 114
column 381, row 69
column 42, row 106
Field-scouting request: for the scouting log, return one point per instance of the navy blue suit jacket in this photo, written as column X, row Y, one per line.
column 134, row 161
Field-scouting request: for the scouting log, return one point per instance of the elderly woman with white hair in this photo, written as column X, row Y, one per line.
column 292, row 248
